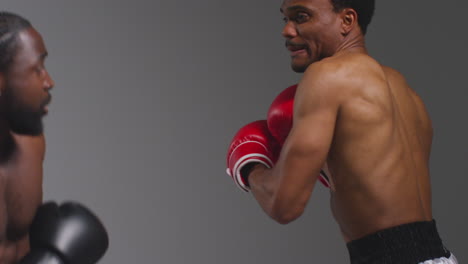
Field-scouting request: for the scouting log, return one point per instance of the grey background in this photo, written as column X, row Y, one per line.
column 149, row 94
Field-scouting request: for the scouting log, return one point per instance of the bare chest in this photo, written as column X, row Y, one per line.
column 20, row 196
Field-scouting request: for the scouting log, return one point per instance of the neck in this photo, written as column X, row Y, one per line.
column 352, row 43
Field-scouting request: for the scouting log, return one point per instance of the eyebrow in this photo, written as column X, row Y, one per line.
column 294, row 8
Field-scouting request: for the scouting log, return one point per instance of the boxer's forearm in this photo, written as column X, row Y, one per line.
column 264, row 185
column 284, row 190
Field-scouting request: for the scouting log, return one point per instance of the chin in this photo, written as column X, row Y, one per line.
column 26, row 123
column 299, row 67
column 302, row 66
column 32, row 130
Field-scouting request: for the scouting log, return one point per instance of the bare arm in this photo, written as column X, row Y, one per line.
column 284, row 190
column 25, row 181
column 22, row 248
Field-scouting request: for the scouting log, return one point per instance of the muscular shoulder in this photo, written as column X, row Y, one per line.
column 394, row 76
column 320, row 84
column 344, row 76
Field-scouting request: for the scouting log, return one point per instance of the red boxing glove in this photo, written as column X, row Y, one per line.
column 252, row 144
column 280, row 121
column 280, row 114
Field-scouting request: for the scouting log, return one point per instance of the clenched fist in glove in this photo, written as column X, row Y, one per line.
column 252, row 144
column 66, row 234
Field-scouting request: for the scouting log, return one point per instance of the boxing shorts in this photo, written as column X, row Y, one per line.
column 413, row 243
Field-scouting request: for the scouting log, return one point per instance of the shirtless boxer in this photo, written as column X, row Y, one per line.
column 70, row 229
column 24, row 89
column 359, row 119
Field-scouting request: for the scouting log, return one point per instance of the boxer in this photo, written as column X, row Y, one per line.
column 25, row 86
column 359, row 118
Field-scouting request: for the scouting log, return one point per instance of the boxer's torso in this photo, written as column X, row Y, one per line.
column 380, row 151
column 20, row 195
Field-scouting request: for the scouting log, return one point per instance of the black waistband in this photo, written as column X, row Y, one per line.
column 409, row 243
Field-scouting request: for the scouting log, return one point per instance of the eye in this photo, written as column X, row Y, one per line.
column 285, row 19
column 301, row 17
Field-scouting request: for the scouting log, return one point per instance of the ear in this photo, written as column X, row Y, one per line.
column 349, row 19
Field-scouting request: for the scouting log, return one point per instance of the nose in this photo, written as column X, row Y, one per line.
column 289, row 30
column 48, row 82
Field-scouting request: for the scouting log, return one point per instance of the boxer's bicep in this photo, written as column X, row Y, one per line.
column 307, row 145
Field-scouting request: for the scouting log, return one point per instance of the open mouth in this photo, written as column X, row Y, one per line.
column 296, row 49
column 48, row 100
column 46, row 103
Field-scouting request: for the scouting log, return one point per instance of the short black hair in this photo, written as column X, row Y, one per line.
column 364, row 9
column 10, row 25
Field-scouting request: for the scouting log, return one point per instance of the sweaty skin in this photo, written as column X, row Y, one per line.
column 356, row 115
column 21, row 155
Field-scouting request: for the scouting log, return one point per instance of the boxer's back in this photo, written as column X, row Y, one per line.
column 380, row 152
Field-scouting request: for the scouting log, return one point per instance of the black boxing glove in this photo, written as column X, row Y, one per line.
column 66, row 234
